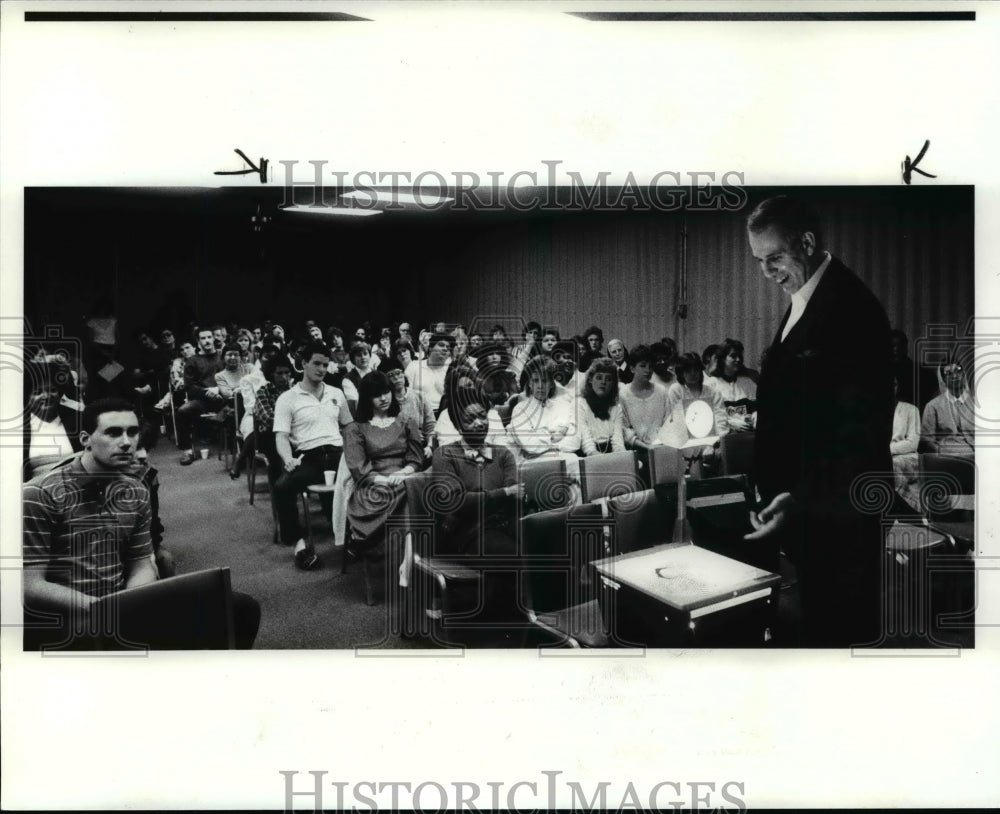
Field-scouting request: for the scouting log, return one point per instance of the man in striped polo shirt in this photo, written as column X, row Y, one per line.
column 87, row 523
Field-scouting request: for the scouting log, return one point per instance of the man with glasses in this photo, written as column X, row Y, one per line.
column 948, row 426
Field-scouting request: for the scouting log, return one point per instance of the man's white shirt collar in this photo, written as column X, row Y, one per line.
column 809, row 287
column 801, row 297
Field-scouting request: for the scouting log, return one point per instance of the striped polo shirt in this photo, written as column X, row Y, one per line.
column 83, row 527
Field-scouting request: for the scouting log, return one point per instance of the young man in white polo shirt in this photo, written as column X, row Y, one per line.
column 307, row 422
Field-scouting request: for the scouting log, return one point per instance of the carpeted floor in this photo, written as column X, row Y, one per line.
column 209, row 522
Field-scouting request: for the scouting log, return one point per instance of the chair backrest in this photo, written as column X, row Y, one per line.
column 947, row 487
column 436, row 509
column 186, row 612
column 737, row 453
column 556, row 548
column 641, row 519
column 238, row 406
column 665, row 465
column 545, row 484
column 608, row 475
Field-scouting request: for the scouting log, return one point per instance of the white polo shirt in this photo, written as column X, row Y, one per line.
column 309, row 421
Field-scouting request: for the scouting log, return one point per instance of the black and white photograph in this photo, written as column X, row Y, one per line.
column 382, row 375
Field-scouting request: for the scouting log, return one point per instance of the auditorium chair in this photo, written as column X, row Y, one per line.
column 607, row 475
column 947, row 495
column 557, row 588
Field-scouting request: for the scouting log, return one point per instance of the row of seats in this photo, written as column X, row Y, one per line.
column 618, row 514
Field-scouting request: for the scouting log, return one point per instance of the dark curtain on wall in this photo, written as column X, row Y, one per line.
column 170, row 254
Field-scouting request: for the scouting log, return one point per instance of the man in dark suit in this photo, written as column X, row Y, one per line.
column 824, row 422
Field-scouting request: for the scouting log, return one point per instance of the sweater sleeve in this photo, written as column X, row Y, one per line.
column 617, row 429
column 909, row 439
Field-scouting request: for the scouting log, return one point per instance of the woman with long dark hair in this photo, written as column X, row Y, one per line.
column 381, row 448
column 601, row 427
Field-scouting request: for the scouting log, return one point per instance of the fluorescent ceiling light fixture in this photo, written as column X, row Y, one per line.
column 388, row 196
column 330, row 210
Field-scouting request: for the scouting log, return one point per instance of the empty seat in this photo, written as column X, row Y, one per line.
column 608, row 475
column 557, row 586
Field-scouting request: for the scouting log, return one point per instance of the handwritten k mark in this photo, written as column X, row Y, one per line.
column 262, row 169
column 909, row 166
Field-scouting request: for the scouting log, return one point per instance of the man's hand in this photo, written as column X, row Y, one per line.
column 772, row 517
column 291, row 464
column 515, row 490
column 213, row 391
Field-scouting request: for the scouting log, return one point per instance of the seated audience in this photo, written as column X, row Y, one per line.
column 461, row 354
column 474, row 465
column 360, row 356
column 177, row 388
column 148, row 475
column 903, row 446
column 594, row 338
column 53, row 416
column 426, row 376
column 405, row 332
column 307, row 436
column 948, row 426
column 148, row 377
column 645, row 403
column 522, row 354
column 381, row 449
column 411, row 404
column 738, row 391
column 545, row 420
column 312, row 332
column 600, row 414
column 234, row 369
column 66, row 574
column 278, row 378
column 691, row 386
column 498, row 380
column 566, row 375
column 249, row 385
column 549, row 340
column 384, row 346
column 204, row 394
column 463, row 378
column 708, row 358
column 220, row 335
column 423, row 343
column 664, row 360
column 402, row 351
column 244, row 341
column 499, row 337
column 618, row 354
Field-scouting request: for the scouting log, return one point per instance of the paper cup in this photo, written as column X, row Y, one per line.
column 328, row 476
column 204, row 454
